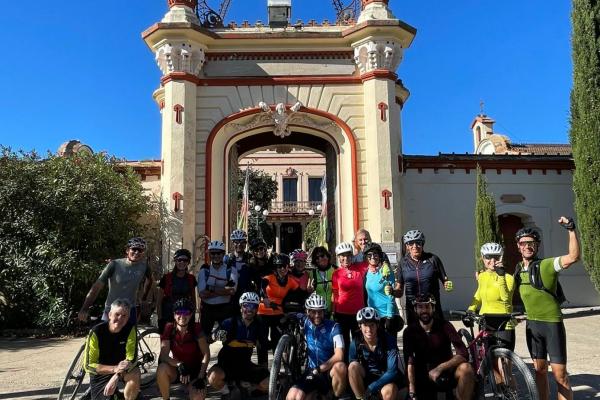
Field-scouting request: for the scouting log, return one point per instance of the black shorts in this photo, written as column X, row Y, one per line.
column 308, row 383
column 97, row 384
column 504, row 339
column 240, row 370
column 426, row 389
column 547, row 339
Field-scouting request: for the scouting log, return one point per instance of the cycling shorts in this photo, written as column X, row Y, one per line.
column 242, row 370
column 504, row 339
column 428, row 390
column 547, row 339
column 97, row 384
column 308, row 383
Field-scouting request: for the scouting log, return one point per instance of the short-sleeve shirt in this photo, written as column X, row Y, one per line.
column 540, row 305
column 181, row 287
column 123, row 278
column 347, row 285
column 321, row 340
column 376, row 297
column 276, row 292
column 241, row 339
column 217, row 278
column 184, row 347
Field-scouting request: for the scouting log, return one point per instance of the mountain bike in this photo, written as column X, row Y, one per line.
column 501, row 373
column 76, row 386
column 289, row 359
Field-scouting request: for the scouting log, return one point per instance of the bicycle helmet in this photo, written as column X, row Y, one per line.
column 249, row 297
column 424, row 299
column 136, row 242
column 315, row 302
column 298, row 255
column 183, row 253
column 216, row 245
column 182, row 304
column 413, row 235
column 491, row 249
column 256, row 243
column 238, row 234
column 343, row 247
column 367, row 314
column 279, row 259
column 373, row 248
column 527, row 232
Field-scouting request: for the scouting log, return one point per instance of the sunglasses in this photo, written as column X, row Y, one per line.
column 261, row 249
column 281, row 266
column 136, row 250
column 216, row 253
column 321, row 255
column 250, row 306
column 417, row 243
column 531, row 243
column 372, row 255
column 239, row 242
column 489, row 257
column 182, row 259
column 183, row 313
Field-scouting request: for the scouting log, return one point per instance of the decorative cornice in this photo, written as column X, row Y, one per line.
column 366, row 2
column 187, row 3
column 377, row 54
column 180, row 56
column 303, row 55
column 180, row 76
column 280, row 80
column 379, row 74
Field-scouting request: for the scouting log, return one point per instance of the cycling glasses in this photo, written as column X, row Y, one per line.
column 250, row 306
column 183, row 313
column 182, row 259
column 136, row 250
column 530, row 243
column 418, row 243
column 491, row 256
column 373, row 255
column 216, row 253
column 260, row 249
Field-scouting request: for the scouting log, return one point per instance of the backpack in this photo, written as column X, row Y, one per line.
column 205, row 268
column 169, row 284
column 535, row 280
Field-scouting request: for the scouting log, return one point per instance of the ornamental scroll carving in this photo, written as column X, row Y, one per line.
column 378, row 54
column 180, row 56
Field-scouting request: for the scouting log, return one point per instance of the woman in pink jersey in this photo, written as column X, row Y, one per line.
column 347, row 285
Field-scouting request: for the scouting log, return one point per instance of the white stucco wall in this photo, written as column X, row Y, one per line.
column 442, row 205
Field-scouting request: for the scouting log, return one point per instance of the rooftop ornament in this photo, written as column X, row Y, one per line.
column 280, row 117
column 209, row 18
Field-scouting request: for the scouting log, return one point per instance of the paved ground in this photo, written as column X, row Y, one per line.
column 34, row 368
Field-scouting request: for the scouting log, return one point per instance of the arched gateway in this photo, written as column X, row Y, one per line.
column 329, row 87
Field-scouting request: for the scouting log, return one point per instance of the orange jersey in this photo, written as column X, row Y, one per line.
column 276, row 293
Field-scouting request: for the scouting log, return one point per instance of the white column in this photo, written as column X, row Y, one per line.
column 277, row 237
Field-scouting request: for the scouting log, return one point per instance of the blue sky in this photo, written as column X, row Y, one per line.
column 79, row 70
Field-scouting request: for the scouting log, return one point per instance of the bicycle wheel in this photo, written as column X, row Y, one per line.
column 148, row 353
column 281, row 377
column 513, row 380
column 466, row 338
column 76, row 383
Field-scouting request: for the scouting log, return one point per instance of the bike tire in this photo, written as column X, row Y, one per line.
column 280, row 380
column 466, row 338
column 521, row 383
column 73, row 386
column 147, row 356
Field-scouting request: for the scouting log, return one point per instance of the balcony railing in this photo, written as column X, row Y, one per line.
column 294, row 207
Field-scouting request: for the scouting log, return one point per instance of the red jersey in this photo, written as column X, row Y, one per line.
column 348, row 288
column 184, row 348
column 276, row 293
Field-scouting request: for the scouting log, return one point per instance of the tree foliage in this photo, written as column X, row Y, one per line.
column 61, row 218
column 311, row 233
column 585, row 129
column 262, row 191
column 486, row 222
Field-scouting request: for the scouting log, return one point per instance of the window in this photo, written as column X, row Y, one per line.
column 314, row 189
column 290, row 189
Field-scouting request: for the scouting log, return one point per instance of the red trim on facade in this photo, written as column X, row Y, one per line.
column 365, row 2
column 379, row 74
column 209, row 146
column 179, row 76
column 280, row 80
column 498, row 163
column 263, row 55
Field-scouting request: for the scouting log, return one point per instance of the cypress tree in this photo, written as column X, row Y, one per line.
column 585, row 129
column 486, row 222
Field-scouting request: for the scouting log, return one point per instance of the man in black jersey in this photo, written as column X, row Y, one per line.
column 110, row 354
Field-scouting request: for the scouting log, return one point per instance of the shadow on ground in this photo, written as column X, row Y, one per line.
column 18, row 344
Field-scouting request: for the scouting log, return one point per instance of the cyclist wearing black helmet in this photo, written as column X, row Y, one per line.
column 373, row 360
column 537, row 280
column 239, row 259
column 258, row 264
column 431, row 365
column 175, row 285
column 184, row 353
column 123, row 277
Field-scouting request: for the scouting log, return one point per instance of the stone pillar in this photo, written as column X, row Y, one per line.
column 302, row 231
column 277, row 237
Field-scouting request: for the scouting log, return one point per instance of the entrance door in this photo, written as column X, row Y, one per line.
column 509, row 225
column 291, row 237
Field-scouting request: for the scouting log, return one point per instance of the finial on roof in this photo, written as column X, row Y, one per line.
column 189, row 3
column 481, row 104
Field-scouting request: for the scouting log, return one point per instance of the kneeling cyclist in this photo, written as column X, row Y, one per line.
column 373, row 360
column 325, row 352
column 240, row 335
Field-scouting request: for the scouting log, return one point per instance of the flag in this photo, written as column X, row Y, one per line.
column 242, row 221
column 323, row 218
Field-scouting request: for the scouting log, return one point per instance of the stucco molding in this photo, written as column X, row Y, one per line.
column 180, row 56
column 377, row 54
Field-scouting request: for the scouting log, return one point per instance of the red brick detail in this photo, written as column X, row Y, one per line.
column 379, row 74
column 178, row 108
column 382, row 109
column 177, row 197
column 386, row 194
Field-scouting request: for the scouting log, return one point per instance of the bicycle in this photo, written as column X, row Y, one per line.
column 75, row 386
column 289, row 359
column 500, row 372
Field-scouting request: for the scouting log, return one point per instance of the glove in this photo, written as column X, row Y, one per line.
column 500, row 271
column 220, row 336
column 387, row 289
column 199, row 384
column 569, row 225
column 183, row 371
column 386, row 270
column 448, row 285
column 467, row 320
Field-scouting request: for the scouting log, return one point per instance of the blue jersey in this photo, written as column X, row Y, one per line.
column 376, row 298
column 382, row 363
column 321, row 340
column 242, row 339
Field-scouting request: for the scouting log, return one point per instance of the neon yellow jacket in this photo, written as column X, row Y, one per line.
column 494, row 294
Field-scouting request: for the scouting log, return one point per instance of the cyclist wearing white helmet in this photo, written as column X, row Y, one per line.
column 373, row 360
column 347, row 284
column 421, row 273
column 540, row 290
column 432, row 366
column 123, row 277
column 240, row 334
column 239, row 259
column 495, row 291
column 325, row 352
column 217, row 284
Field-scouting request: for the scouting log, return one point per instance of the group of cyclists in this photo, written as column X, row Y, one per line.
column 348, row 306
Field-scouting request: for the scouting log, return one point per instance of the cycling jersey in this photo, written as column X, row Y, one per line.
column 241, row 339
column 107, row 348
column 347, row 286
column 539, row 304
column 420, row 277
column 184, row 347
column 321, row 340
column 123, row 279
column 240, row 263
column 322, row 283
column 376, row 297
column 276, row 290
column 494, row 294
column 380, row 365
